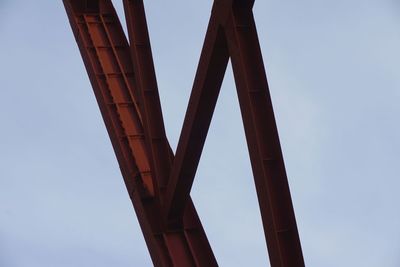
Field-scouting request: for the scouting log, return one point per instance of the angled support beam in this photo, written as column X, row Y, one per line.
column 147, row 91
column 209, row 76
column 208, row 80
column 263, row 141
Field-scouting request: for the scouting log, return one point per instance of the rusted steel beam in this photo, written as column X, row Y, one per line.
column 208, row 80
column 262, row 138
column 159, row 151
column 190, row 225
column 261, row 132
column 111, row 78
column 113, row 96
column 106, row 55
column 127, row 94
column 210, row 73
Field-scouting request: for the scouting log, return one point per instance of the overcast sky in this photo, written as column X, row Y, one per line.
column 333, row 70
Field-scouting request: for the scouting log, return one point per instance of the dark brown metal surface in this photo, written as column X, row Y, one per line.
column 142, row 59
column 262, row 138
column 159, row 184
column 210, row 73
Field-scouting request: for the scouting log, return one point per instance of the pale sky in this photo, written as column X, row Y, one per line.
column 333, row 74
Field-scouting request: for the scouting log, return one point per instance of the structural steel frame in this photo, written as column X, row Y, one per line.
column 158, row 182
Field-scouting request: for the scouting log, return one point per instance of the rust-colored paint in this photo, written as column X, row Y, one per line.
column 159, row 183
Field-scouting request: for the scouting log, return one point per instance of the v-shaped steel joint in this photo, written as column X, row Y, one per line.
column 159, row 183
